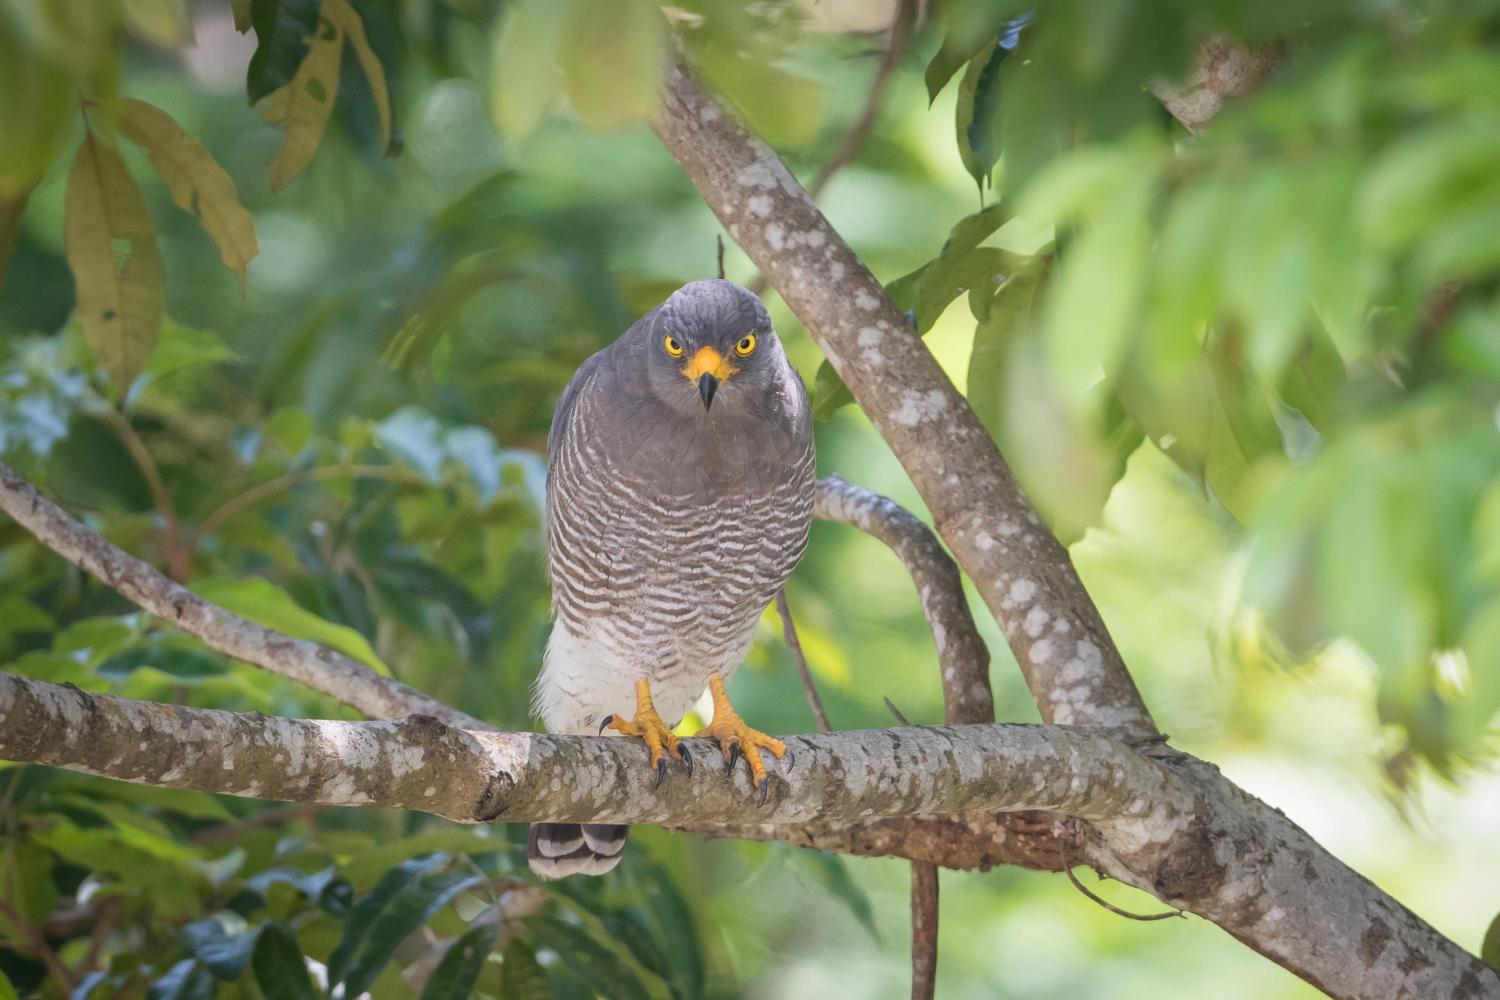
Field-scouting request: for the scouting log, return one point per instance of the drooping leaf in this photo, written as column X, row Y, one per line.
column 304, row 105
column 1011, row 314
column 197, row 182
column 977, row 115
column 280, row 970
column 524, row 64
column 263, row 602
column 243, row 21
column 612, row 61
column 11, row 208
column 459, row 969
column 343, row 15
column 970, row 27
column 117, row 271
column 834, row 877
column 283, row 31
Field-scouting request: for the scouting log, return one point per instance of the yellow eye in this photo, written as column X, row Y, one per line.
column 746, row 345
column 673, row 348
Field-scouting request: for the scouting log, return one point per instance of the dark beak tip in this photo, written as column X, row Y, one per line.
column 707, row 386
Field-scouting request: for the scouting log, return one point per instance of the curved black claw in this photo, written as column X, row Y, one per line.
column 764, row 788
column 687, row 757
column 661, row 771
column 734, row 756
column 603, row 725
column 791, row 761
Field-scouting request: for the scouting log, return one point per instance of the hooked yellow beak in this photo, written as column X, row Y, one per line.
column 708, row 368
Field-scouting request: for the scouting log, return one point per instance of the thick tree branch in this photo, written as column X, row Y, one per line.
column 419, row 763
column 1024, row 575
column 321, row 669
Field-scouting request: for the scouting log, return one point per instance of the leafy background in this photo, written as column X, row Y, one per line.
column 1251, row 376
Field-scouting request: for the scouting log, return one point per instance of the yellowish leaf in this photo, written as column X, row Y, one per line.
column 162, row 22
column 241, row 9
column 11, row 207
column 524, row 75
column 613, row 61
column 307, row 103
column 117, row 271
column 345, row 17
column 198, row 184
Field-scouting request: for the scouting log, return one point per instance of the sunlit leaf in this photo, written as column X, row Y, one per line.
column 197, row 182
column 304, row 105
column 242, row 15
column 111, row 248
column 343, row 15
column 266, row 604
column 524, row 64
column 161, row 22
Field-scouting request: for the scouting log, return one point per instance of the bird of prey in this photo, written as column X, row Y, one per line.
column 679, row 492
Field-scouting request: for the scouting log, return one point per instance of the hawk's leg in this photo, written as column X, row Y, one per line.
column 735, row 738
column 649, row 726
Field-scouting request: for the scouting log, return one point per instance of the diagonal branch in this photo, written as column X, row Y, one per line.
column 1024, row 575
column 321, row 669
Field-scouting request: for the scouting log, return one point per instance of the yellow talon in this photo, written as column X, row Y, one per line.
column 736, row 739
column 652, row 730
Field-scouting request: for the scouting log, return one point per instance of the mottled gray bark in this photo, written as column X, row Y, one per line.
column 321, row 669
column 1024, row 575
column 420, row 763
column 962, row 655
column 1221, row 854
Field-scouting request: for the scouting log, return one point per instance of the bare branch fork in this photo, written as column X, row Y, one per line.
column 1229, row 858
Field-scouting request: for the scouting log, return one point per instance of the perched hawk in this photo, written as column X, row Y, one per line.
column 679, row 493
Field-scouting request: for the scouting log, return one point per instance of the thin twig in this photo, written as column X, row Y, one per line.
column 38, row 944
column 720, row 240
column 900, row 715
column 255, row 494
column 1111, row 907
column 864, row 123
column 173, row 553
column 924, row 929
column 789, row 630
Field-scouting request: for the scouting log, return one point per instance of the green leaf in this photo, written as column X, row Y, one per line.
column 459, row 970
column 1490, row 950
column 263, row 602
column 117, row 270
column 283, row 31
column 11, row 208
column 280, row 970
column 404, row 900
column 1010, row 316
column 304, row 106
column 353, row 26
column 521, row 977
column 222, row 943
column 977, row 115
column 7, row 991
column 593, row 962
column 524, row 57
column 612, row 61
column 367, row 910
column 187, row 980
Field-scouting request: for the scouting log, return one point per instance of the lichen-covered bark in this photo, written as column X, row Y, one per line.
column 1024, row 575
column 1222, row 68
column 321, row 669
column 962, row 655
column 420, row 763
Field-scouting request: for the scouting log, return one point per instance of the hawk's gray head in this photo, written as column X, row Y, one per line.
column 711, row 340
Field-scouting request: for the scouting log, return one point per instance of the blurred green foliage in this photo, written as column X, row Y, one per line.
column 1252, row 373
